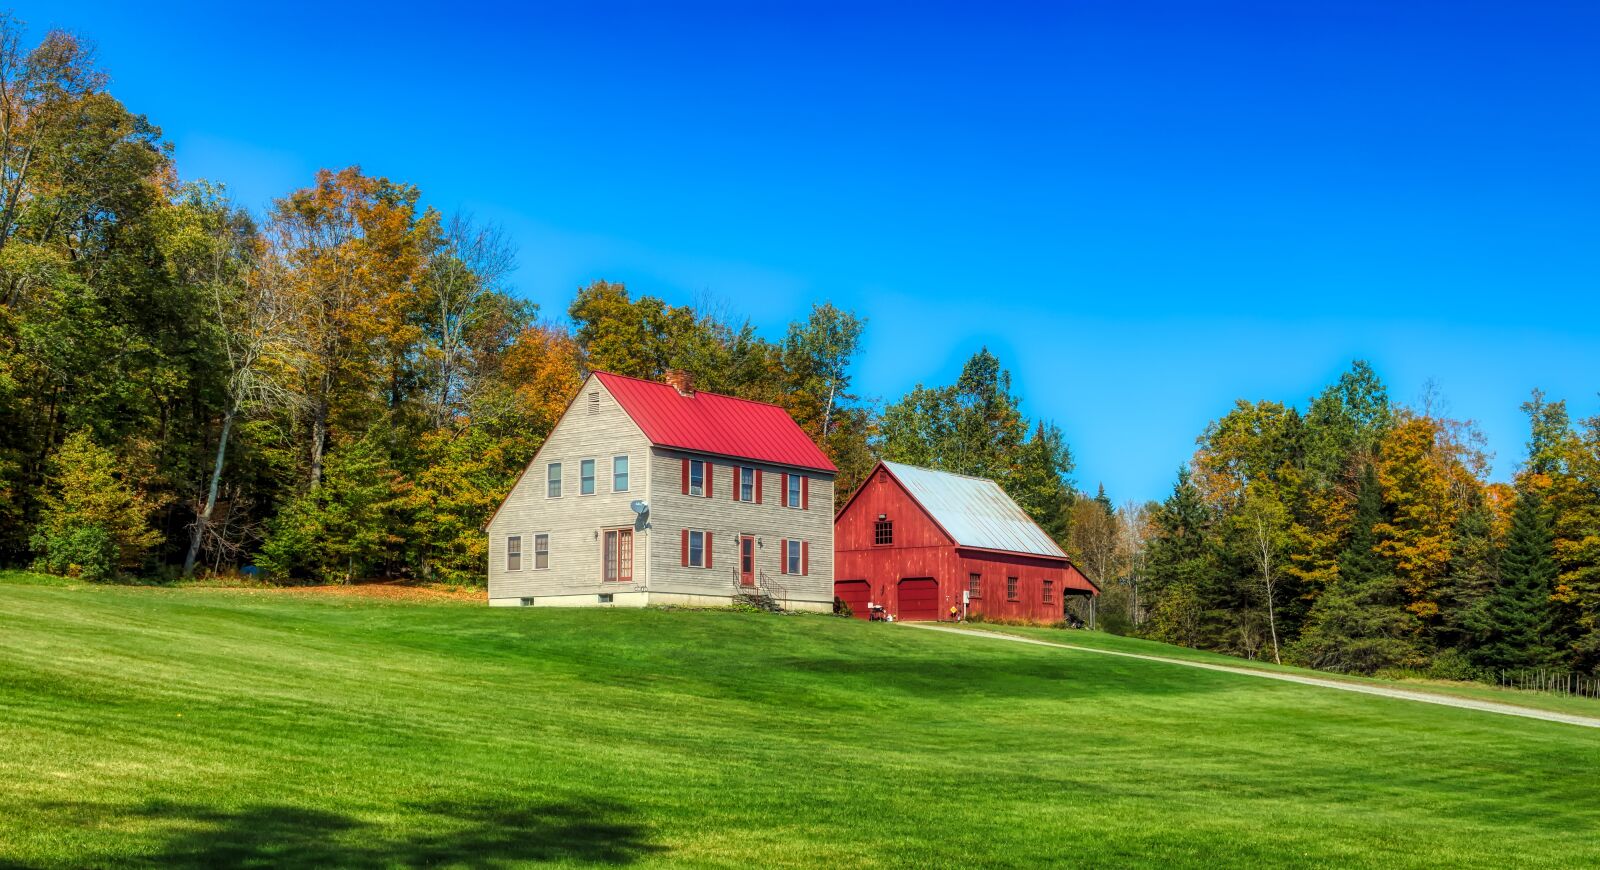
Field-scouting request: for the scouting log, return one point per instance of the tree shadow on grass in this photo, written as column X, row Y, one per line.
column 470, row 834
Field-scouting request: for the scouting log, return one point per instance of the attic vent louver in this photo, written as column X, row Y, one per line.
column 594, row 402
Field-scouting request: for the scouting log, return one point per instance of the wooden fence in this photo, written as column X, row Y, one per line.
column 1547, row 680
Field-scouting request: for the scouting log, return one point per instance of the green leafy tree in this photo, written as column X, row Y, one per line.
column 93, row 523
column 347, row 528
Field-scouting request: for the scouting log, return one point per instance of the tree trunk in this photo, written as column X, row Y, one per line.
column 319, row 440
column 1272, row 625
column 202, row 521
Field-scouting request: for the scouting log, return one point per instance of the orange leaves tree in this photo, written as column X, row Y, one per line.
column 354, row 248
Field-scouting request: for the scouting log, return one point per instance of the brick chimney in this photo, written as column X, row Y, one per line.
column 679, row 380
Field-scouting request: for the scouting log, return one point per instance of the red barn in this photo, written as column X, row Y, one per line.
column 928, row 545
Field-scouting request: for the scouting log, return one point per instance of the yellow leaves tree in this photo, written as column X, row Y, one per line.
column 1428, row 474
column 353, row 248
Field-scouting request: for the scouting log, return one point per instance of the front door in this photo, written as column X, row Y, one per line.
column 747, row 560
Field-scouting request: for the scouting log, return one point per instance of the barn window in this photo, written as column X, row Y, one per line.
column 619, row 556
column 541, row 551
column 747, row 484
column 697, row 549
column 792, row 496
column 697, row 477
column 1011, row 589
column 514, row 553
column 552, row 477
column 1049, row 591
column 974, row 585
column 883, row 532
column 586, row 477
column 619, row 474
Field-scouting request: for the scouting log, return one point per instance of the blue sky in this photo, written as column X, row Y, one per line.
column 1146, row 209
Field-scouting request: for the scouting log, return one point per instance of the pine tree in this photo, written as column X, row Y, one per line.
column 1359, row 562
column 1519, row 605
column 1359, row 623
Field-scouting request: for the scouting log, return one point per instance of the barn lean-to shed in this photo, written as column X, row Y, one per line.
column 930, row 545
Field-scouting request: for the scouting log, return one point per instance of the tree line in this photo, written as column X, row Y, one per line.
column 344, row 386
column 1361, row 536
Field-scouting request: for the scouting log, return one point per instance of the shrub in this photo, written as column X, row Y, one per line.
column 77, row 551
column 93, row 523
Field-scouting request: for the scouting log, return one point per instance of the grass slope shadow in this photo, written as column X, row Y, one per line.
column 471, row 834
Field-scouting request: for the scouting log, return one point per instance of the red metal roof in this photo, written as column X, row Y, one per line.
column 715, row 424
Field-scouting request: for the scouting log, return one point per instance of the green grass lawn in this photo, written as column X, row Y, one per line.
column 1476, row 691
column 204, row 727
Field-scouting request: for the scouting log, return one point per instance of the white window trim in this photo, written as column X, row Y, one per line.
column 627, row 474
column 594, row 477
column 697, row 491
column 797, row 562
column 702, row 534
column 560, row 479
column 535, row 566
column 509, row 539
column 797, row 487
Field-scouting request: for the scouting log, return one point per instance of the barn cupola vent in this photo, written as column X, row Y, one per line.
column 680, row 380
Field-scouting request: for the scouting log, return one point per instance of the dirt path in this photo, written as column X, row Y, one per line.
column 1382, row 691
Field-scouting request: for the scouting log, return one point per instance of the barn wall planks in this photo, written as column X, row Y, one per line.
column 921, row 549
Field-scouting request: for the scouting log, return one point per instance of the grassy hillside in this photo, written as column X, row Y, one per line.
column 186, row 727
column 1460, row 689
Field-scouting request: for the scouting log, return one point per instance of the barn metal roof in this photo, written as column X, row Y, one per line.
column 715, row 424
column 975, row 511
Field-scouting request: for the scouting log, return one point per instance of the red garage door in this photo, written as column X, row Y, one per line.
column 919, row 599
column 855, row 593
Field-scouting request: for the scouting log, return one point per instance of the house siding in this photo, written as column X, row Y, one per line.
column 573, row 520
column 770, row 522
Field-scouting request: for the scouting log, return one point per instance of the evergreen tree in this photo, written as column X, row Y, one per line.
column 1519, row 613
column 1359, row 623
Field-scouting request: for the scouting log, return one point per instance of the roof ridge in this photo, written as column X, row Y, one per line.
column 696, row 392
column 942, row 471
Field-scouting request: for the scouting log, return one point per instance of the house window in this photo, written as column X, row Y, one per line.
column 792, row 496
column 883, row 532
column 552, row 477
column 586, row 477
column 747, row 484
column 1049, row 591
column 1011, row 589
column 697, row 477
column 794, row 557
column 619, row 474
column 974, row 585
column 619, row 556
column 514, row 553
column 541, row 551
column 697, row 549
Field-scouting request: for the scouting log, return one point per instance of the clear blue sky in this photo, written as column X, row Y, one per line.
column 1146, row 209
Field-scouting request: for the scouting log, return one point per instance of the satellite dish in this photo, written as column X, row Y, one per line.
column 640, row 507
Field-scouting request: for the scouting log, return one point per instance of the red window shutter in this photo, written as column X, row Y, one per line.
column 685, row 548
column 735, row 489
column 707, row 550
column 805, row 557
column 805, row 492
column 711, row 474
column 686, row 477
column 783, row 554
column 758, row 486
column 783, row 494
